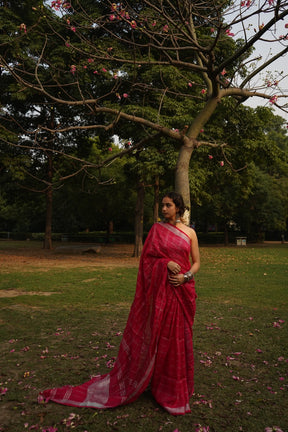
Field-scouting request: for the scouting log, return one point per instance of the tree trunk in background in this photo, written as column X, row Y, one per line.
column 156, row 200
column 139, row 213
column 49, row 205
column 48, row 224
column 226, row 235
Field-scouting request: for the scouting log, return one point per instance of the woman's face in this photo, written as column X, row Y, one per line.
column 169, row 210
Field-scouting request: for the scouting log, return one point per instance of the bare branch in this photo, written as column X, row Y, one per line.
column 263, row 66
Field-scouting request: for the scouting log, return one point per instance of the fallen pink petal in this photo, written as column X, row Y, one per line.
column 3, row 390
column 273, row 429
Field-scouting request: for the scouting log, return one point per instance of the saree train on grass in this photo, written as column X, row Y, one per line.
column 157, row 346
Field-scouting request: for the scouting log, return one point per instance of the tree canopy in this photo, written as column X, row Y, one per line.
column 154, row 73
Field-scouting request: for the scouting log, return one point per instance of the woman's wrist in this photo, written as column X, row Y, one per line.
column 188, row 276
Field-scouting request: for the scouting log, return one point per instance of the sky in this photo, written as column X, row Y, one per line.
column 280, row 65
column 268, row 50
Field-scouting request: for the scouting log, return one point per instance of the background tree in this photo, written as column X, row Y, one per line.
column 165, row 66
column 236, row 193
column 23, row 109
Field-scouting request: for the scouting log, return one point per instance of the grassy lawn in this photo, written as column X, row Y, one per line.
column 65, row 325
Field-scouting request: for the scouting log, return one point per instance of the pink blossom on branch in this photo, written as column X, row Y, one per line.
column 229, row 33
column 23, row 27
column 273, row 99
column 246, row 3
column 57, row 4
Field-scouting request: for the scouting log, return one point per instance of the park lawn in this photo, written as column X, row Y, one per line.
column 72, row 329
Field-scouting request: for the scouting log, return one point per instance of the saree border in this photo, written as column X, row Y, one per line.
column 177, row 231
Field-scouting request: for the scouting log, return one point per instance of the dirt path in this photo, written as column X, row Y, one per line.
column 69, row 257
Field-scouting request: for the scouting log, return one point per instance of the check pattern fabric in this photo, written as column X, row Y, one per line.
column 157, row 343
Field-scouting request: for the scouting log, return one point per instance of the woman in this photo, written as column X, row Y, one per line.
column 157, row 346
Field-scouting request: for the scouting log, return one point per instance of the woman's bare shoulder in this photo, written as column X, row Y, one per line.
column 189, row 231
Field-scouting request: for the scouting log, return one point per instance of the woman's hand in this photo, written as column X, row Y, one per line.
column 176, row 279
column 173, row 267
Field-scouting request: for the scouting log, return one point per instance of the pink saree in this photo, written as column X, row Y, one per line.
column 157, row 345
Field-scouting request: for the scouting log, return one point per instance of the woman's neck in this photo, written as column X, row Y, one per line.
column 173, row 221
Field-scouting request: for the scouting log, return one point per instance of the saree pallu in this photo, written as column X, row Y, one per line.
column 157, row 346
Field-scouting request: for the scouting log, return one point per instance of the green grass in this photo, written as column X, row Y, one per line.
column 240, row 344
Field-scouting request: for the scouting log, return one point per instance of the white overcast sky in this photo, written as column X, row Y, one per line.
column 268, row 50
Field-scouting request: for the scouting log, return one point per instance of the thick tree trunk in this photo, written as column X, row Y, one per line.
column 139, row 214
column 189, row 143
column 182, row 178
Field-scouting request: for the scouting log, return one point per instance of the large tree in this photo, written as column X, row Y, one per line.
column 164, row 66
column 252, row 193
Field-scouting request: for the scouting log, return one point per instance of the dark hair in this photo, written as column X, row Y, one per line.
column 178, row 201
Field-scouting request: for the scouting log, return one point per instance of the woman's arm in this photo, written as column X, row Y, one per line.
column 195, row 255
column 175, row 277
